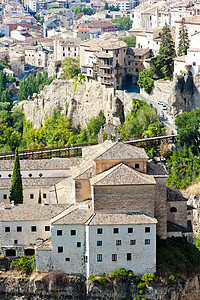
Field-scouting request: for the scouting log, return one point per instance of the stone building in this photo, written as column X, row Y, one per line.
column 36, row 56
column 120, row 201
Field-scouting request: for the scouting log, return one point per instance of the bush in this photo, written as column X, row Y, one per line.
column 24, row 263
column 102, row 280
column 55, row 278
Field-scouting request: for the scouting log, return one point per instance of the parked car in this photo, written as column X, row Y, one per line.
column 162, row 113
column 164, row 107
column 160, row 102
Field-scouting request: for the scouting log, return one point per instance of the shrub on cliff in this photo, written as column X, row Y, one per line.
column 24, row 263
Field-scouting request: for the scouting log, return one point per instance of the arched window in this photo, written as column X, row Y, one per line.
column 29, row 252
column 10, row 252
column 173, row 209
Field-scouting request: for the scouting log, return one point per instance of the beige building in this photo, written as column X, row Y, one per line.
column 104, row 60
column 66, row 48
column 36, row 56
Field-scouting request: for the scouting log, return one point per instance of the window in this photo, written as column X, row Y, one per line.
column 128, row 256
column 136, row 70
column 99, row 257
column 73, row 232
column 99, row 243
column 19, row 228
column 9, row 175
column 137, row 166
column 7, row 229
column 147, row 229
column 44, row 196
column 15, row 242
column 130, row 230
column 47, row 228
column 115, row 230
column 30, row 175
column 60, row 249
column 118, row 242
column 173, row 209
column 132, row 242
column 99, row 230
column 4, row 196
column 10, row 252
column 31, row 196
column 147, row 241
column 29, row 252
column 114, row 257
column 33, row 228
column 59, row 232
column 85, row 259
column 194, row 63
column 67, row 258
column 78, row 244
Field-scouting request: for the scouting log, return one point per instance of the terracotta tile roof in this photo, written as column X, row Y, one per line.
column 45, row 246
column 191, row 20
column 156, row 169
column 122, row 151
column 181, row 58
column 33, row 182
column 77, row 216
column 30, row 212
column 121, row 174
column 121, row 219
column 175, row 195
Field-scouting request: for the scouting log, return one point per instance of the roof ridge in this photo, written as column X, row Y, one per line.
column 105, row 150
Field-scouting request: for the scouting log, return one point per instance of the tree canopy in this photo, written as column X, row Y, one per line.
column 124, row 23
column 129, row 40
column 70, row 67
column 85, row 10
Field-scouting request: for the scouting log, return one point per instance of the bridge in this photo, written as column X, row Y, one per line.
column 76, row 150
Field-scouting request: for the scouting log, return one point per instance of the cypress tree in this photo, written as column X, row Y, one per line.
column 16, row 189
column 183, row 39
column 164, row 62
column 39, row 197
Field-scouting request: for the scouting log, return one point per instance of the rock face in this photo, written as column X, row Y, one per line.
column 18, row 286
column 81, row 103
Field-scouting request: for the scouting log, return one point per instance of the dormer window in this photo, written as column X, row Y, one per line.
column 137, row 166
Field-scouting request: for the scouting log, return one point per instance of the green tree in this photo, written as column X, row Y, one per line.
column 106, row 7
column 124, row 23
column 70, row 67
column 188, row 129
column 16, row 189
column 163, row 62
column 146, row 80
column 183, row 39
column 129, row 40
column 39, row 197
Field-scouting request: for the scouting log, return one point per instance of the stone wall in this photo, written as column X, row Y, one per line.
column 125, row 198
column 16, row 286
column 161, row 91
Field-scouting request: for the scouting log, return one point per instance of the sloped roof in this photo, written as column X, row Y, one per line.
column 121, row 174
column 122, row 151
column 156, row 169
column 175, row 195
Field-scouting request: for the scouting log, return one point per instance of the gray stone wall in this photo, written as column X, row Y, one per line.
column 160, row 209
column 125, row 198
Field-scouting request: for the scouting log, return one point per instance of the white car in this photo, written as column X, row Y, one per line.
column 164, row 107
column 160, row 102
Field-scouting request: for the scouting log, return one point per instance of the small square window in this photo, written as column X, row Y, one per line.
column 99, row 257
column 47, row 228
column 78, row 244
column 194, row 63
column 5, row 196
column 99, row 230
column 137, row 166
column 132, row 242
column 118, row 242
column 67, row 258
column 19, row 228
column 60, row 249
column 73, row 232
column 147, row 229
column 147, row 241
column 31, row 196
column 7, row 229
column 44, row 196
column 128, row 256
column 99, row 243
column 114, row 257
column 15, row 242
column 59, row 232
column 85, row 259
column 130, row 230
column 115, row 230
column 33, row 228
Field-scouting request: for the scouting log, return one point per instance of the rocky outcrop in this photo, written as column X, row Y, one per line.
column 56, row 285
column 81, row 103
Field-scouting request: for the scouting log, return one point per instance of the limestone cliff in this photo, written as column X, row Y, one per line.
column 45, row 286
column 83, row 102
